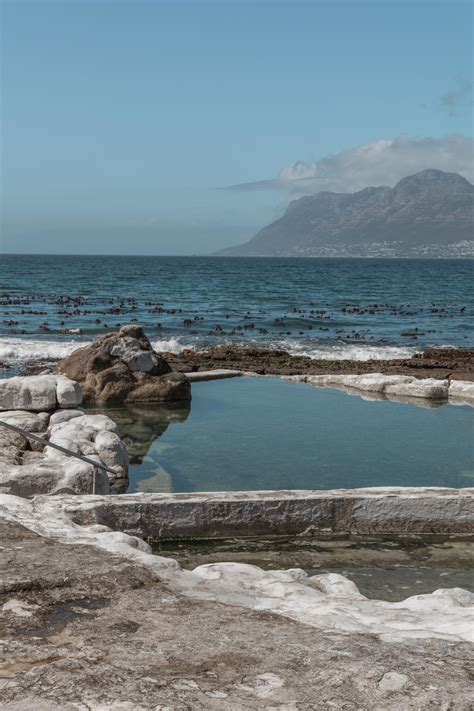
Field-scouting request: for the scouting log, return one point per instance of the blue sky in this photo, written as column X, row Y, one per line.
column 124, row 121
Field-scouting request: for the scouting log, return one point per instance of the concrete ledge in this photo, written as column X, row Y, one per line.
column 390, row 511
column 218, row 374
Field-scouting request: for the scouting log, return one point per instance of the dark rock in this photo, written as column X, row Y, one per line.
column 434, row 363
column 123, row 367
column 172, row 387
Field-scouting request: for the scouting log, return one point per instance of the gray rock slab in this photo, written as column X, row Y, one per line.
column 393, row 387
column 84, row 629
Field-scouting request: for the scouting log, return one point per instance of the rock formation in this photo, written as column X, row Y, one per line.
column 123, row 368
column 28, row 467
column 395, row 386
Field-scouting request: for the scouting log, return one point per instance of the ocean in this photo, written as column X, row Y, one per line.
column 323, row 308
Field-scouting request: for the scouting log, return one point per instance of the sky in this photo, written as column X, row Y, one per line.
column 174, row 127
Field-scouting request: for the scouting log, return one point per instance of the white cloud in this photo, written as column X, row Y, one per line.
column 383, row 162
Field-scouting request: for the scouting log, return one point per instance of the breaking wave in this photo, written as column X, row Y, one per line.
column 22, row 350
column 344, row 351
column 170, row 345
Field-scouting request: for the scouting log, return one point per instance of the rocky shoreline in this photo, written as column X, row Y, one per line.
column 90, row 618
column 441, row 363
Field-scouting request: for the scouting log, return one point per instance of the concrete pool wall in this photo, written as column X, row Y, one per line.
column 387, row 511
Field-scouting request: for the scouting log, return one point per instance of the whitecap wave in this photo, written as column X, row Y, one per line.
column 345, row 351
column 169, row 345
column 21, row 350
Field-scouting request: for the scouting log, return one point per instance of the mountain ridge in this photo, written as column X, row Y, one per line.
column 429, row 213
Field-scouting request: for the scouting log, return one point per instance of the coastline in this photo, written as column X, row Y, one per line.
column 440, row 363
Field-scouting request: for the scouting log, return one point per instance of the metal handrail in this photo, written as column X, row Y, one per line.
column 64, row 450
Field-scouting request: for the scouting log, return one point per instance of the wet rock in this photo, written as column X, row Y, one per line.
column 434, row 363
column 123, row 367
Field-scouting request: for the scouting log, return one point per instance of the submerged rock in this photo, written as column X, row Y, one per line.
column 122, row 367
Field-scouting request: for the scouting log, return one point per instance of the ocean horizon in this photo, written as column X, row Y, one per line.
column 324, row 308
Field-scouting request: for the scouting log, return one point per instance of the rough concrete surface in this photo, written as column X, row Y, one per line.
column 383, row 510
column 84, row 629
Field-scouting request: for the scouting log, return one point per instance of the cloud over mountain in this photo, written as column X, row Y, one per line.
column 383, row 162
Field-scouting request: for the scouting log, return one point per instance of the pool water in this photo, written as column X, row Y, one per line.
column 267, row 433
column 382, row 569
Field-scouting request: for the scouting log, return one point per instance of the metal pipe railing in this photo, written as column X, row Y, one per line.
column 64, row 450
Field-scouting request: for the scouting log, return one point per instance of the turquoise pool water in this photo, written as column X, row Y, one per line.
column 267, row 433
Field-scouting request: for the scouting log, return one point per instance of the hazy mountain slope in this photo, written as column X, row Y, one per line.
column 431, row 210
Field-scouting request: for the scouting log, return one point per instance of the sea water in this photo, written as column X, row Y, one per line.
column 324, row 308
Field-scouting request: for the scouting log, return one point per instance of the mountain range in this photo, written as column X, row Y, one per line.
column 426, row 214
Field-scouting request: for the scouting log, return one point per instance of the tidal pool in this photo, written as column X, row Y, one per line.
column 266, row 433
column 382, row 569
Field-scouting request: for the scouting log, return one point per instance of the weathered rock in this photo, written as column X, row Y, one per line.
column 91, row 435
column 123, row 367
column 30, row 467
column 111, row 385
column 49, row 476
column 112, row 452
column 429, row 388
column 82, row 628
column 36, row 393
column 68, row 392
column 393, row 386
column 461, row 389
column 130, row 351
column 14, row 444
column 64, row 416
column 173, row 387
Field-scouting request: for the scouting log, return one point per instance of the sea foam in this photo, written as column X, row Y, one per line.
column 23, row 350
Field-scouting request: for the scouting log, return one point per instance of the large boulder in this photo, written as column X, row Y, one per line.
column 39, row 393
column 122, row 367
